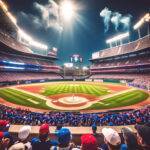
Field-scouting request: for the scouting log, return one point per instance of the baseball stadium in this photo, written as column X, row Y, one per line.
column 58, row 74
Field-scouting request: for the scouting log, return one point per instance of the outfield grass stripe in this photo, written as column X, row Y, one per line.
column 125, row 99
column 18, row 97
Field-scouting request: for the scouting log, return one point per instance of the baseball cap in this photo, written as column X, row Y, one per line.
column 64, row 135
column 44, row 129
column 4, row 123
column 111, row 136
column 88, row 142
column 24, row 132
column 1, row 135
column 94, row 127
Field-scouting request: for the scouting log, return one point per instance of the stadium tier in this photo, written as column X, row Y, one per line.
column 6, row 77
column 129, row 62
column 131, row 47
column 18, row 63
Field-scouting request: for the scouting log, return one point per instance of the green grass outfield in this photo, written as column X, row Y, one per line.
column 96, row 90
column 120, row 100
column 25, row 99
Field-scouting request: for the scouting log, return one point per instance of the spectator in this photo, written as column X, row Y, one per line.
column 143, row 136
column 4, row 125
column 64, row 140
column 94, row 130
column 112, row 139
column 20, row 116
column 23, row 137
column 18, row 146
column 58, row 127
column 6, row 140
column 88, row 142
column 43, row 142
column 129, row 139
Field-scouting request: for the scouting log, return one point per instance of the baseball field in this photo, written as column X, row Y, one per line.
column 72, row 96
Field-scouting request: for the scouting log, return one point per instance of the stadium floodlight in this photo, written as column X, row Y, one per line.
column 85, row 68
column 54, row 49
column 68, row 65
column 118, row 38
column 67, row 10
column 12, row 18
column 147, row 17
column 30, row 40
column 144, row 19
column 138, row 24
column 3, row 5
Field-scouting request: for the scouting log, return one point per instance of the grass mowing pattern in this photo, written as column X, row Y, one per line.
column 95, row 90
column 125, row 99
column 25, row 99
column 21, row 98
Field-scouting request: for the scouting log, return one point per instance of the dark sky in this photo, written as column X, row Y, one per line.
column 86, row 33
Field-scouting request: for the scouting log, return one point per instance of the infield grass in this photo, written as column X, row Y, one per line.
column 95, row 90
column 26, row 99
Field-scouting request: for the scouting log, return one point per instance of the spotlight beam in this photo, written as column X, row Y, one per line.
column 67, row 10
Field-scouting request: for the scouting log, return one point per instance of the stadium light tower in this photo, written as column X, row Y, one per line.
column 5, row 9
column 119, row 37
column 3, row 5
column 30, row 40
column 137, row 26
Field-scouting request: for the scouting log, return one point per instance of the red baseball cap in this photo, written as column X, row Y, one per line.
column 44, row 129
column 1, row 135
column 4, row 123
column 88, row 141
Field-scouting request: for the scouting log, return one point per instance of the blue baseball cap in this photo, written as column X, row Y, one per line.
column 64, row 136
column 94, row 127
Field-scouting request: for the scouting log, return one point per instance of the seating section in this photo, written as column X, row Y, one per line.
column 21, row 76
column 12, row 43
column 126, row 48
column 74, row 118
column 88, row 131
column 130, row 62
column 124, row 63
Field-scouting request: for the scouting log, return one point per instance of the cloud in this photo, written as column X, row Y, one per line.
column 115, row 18
column 126, row 21
column 106, row 14
column 48, row 17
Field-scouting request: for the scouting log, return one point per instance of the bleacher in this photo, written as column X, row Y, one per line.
column 129, row 62
column 130, row 47
column 18, row 63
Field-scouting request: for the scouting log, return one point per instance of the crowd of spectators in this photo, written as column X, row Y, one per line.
column 137, row 80
column 27, row 76
column 64, row 139
column 26, row 117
